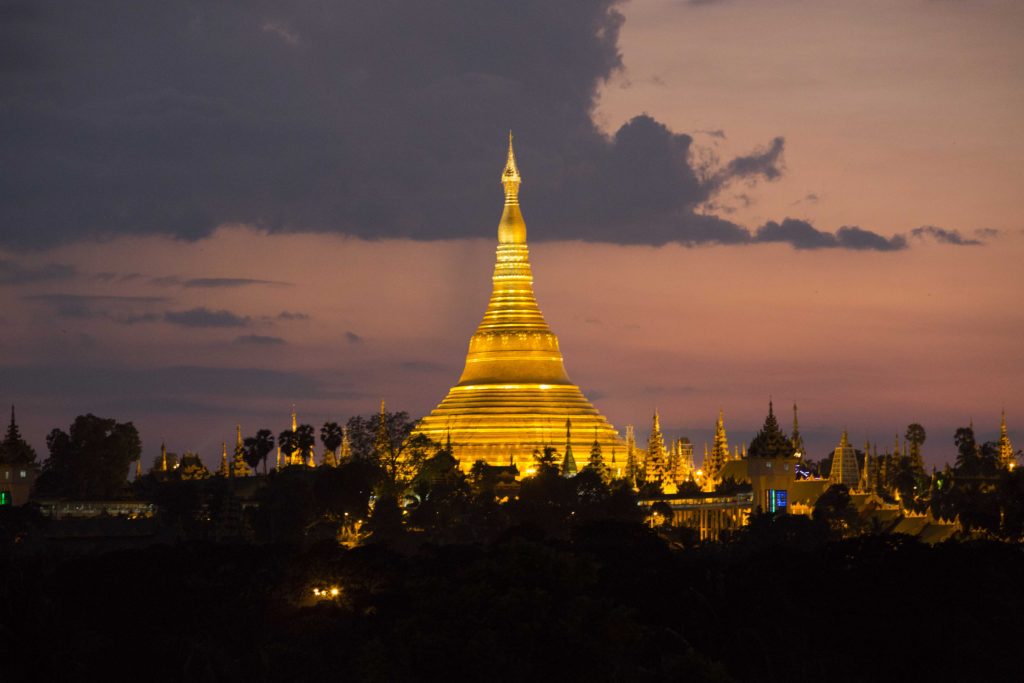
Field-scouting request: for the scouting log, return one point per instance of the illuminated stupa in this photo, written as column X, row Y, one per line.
column 514, row 396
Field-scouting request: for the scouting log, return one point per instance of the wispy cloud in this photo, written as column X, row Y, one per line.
column 944, row 236
column 214, row 282
column 204, row 317
column 259, row 340
column 124, row 310
column 802, row 235
column 15, row 273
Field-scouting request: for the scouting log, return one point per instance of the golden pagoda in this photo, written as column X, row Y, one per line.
column 514, row 396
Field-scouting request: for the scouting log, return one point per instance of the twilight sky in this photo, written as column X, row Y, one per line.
column 209, row 213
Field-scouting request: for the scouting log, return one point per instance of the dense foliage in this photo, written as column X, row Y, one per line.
column 610, row 601
column 90, row 460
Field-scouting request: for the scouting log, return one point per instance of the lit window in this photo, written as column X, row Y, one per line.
column 23, row 474
column 5, row 498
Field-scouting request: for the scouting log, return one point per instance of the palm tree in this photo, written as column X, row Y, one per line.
column 258, row 447
column 286, row 442
column 331, row 436
column 305, row 441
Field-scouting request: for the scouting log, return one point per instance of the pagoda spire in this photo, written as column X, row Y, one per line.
column 865, row 478
column 655, row 462
column 510, row 178
column 514, row 392
column 163, row 457
column 569, row 462
column 1006, row 457
column 224, row 470
column 797, row 439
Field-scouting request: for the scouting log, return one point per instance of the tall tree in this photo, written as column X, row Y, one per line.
column 385, row 440
column 91, row 459
column 305, row 441
column 915, row 436
column 258, row 447
column 286, row 441
column 331, row 437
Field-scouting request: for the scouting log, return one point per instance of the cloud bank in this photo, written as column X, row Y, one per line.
column 370, row 119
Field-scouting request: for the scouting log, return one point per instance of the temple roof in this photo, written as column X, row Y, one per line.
column 770, row 442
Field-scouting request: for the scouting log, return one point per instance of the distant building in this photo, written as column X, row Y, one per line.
column 845, row 470
column 18, row 468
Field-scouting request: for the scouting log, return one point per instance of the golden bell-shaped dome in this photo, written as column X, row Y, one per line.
column 514, row 395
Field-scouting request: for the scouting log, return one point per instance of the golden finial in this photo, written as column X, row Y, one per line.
column 510, row 177
column 511, row 228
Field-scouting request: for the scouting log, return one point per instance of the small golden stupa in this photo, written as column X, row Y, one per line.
column 514, row 396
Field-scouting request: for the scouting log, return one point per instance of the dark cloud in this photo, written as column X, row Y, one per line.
column 259, row 340
column 944, row 236
column 986, row 232
column 764, row 163
column 14, row 273
column 213, row 282
column 124, row 310
column 853, row 237
column 204, row 317
column 231, row 282
column 802, row 235
column 108, row 277
column 292, row 315
column 369, row 119
column 353, row 338
column 88, row 382
column 714, row 133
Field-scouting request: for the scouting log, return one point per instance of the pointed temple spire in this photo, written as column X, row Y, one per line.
column 1006, row 456
column 569, row 462
column 239, row 467
column 796, row 438
column 224, row 470
column 865, row 475
column 656, row 462
column 770, row 442
column 514, row 391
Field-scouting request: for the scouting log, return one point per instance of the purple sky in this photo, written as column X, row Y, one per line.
column 229, row 213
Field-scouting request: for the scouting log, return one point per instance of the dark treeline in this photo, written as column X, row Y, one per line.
column 611, row 601
column 445, row 574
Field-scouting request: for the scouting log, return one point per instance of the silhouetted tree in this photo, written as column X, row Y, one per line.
column 915, row 436
column 305, row 441
column 835, row 508
column 258, row 447
column 331, row 436
column 288, row 444
column 91, row 459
